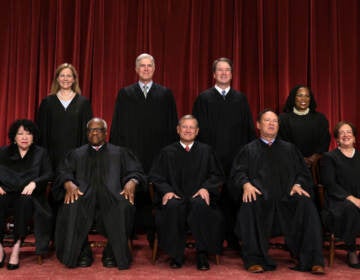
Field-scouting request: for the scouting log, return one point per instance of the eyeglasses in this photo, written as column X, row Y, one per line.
column 96, row 129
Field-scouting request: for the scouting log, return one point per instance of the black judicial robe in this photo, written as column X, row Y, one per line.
column 225, row 124
column 145, row 125
column 309, row 133
column 16, row 173
column 340, row 176
column 62, row 130
column 100, row 175
column 184, row 173
column 274, row 170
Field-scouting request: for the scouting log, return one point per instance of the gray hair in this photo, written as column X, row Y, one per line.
column 96, row 119
column 188, row 117
column 142, row 56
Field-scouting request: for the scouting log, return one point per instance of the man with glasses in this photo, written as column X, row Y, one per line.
column 96, row 182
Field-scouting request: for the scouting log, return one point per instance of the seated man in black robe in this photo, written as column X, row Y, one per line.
column 97, row 183
column 275, row 185
column 187, row 177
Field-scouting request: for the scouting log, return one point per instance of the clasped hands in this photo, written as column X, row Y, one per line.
column 250, row 192
column 203, row 193
column 27, row 190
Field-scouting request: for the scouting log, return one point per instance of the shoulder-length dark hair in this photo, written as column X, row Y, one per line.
column 28, row 125
column 290, row 102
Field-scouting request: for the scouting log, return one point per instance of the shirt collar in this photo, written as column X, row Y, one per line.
column 221, row 89
column 184, row 145
column 149, row 84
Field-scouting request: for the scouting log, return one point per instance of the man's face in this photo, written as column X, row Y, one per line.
column 96, row 133
column 268, row 125
column 145, row 70
column 223, row 74
column 187, row 130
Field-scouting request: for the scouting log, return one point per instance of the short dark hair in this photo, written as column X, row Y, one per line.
column 340, row 124
column 28, row 125
column 224, row 59
column 290, row 102
column 261, row 113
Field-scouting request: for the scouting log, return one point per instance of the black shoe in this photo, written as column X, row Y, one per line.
column 3, row 260
column 175, row 264
column 11, row 266
column 202, row 262
column 84, row 260
column 108, row 261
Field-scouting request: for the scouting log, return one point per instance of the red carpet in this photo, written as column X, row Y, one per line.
column 142, row 268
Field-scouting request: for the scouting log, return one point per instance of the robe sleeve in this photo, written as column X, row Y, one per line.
column 133, row 168
column 86, row 115
column 302, row 175
column 328, row 178
column 324, row 135
column 65, row 172
column 239, row 174
column 215, row 177
column 45, row 174
column 159, row 175
column 117, row 124
column 173, row 119
column 42, row 122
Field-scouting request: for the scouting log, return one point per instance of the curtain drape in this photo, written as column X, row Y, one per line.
column 274, row 44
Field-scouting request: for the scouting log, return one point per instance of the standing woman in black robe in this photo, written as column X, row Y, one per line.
column 303, row 126
column 24, row 173
column 339, row 170
column 63, row 115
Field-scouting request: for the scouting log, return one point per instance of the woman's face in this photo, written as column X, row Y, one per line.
column 346, row 138
column 23, row 139
column 302, row 99
column 66, row 79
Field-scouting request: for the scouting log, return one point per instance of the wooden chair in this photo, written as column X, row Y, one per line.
column 333, row 241
column 190, row 242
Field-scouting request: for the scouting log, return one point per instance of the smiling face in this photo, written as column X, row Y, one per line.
column 23, row 139
column 268, row 125
column 145, row 69
column 96, row 133
column 223, row 74
column 302, row 99
column 66, row 79
column 346, row 138
column 187, row 130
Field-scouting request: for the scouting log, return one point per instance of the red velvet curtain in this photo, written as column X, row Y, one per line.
column 275, row 44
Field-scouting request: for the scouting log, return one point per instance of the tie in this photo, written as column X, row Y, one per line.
column 145, row 90
column 269, row 144
column 187, row 148
column 223, row 93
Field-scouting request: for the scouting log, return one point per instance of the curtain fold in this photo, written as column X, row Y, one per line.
column 274, row 45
